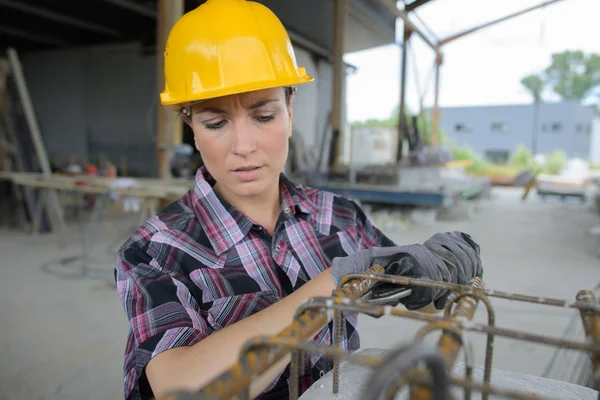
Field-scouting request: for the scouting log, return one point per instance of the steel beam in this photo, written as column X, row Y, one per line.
column 407, row 22
column 23, row 34
column 56, row 17
column 494, row 22
column 415, row 4
column 135, row 7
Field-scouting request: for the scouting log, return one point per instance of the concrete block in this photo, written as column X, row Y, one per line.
column 354, row 378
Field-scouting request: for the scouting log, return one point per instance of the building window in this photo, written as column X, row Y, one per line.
column 461, row 128
column 579, row 128
column 555, row 127
column 497, row 156
column 499, row 127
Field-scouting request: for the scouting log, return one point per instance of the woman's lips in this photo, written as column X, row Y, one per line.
column 248, row 173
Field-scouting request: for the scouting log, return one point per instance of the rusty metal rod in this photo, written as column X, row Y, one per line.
column 378, row 310
column 420, row 391
column 591, row 324
column 489, row 348
column 404, row 281
column 346, row 298
column 237, row 378
column 450, row 343
column 412, row 376
column 403, row 359
column 415, row 376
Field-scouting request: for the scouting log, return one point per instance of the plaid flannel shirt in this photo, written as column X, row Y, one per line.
column 201, row 265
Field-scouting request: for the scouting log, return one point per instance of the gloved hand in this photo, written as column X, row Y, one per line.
column 451, row 257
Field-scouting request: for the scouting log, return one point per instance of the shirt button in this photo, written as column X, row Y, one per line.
column 286, row 210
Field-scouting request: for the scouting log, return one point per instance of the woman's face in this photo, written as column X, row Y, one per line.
column 243, row 140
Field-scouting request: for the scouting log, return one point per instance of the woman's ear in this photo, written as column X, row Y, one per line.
column 291, row 122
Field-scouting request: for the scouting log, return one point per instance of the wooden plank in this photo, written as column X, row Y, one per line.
column 56, row 217
column 147, row 189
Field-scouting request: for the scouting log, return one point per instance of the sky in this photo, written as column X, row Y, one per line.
column 483, row 68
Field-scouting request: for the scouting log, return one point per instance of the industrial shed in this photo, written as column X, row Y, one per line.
column 91, row 69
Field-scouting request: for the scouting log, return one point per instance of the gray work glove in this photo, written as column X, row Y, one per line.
column 451, row 257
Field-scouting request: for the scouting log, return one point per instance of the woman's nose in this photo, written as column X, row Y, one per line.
column 244, row 140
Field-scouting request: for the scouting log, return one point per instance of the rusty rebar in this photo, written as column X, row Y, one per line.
column 548, row 301
column 591, row 324
column 402, row 359
column 263, row 352
column 489, row 348
column 379, row 310
column 237, row 377
column 451, row 341
column 338, row 321
column 446, row 326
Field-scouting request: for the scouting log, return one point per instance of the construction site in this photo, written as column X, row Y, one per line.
column 88, row 154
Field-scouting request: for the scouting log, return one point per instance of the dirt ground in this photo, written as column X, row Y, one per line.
column 62, row 336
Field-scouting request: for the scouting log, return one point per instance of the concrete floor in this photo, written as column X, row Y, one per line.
column 63, row 337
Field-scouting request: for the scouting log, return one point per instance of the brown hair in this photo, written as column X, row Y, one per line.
column 184, row 111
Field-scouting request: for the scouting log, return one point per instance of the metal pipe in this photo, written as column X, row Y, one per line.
column 591, row 324
column 256, row 362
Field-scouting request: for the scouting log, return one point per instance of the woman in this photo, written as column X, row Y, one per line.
column 237, row 255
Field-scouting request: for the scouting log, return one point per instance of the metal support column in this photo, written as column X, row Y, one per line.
column 341, row 9
column 402, row 108
column 169, row 126
column 435, row 132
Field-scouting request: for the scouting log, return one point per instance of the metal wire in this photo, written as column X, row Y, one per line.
column 391, row 373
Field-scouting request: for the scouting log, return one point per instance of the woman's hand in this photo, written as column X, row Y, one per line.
column 451, row 257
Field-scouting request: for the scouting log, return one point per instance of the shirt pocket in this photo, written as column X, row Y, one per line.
column 231, row 309
column 349, row 240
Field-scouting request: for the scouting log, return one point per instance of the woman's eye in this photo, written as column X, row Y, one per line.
column 265, row 118
column 215, row 125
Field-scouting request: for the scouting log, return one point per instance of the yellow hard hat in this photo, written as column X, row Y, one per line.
column 225, row 47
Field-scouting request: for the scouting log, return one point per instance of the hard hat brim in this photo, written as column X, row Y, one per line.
column 167, row 98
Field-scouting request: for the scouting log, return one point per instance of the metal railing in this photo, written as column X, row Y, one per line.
column 398, row 369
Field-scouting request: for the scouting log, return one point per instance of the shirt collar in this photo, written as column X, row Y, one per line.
column 223, row 224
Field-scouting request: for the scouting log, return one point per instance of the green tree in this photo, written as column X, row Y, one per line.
column 521, row 157
column 574, row 75
column 535, row 85
column 555, row 162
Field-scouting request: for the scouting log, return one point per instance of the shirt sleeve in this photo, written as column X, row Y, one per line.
column 161, row 311
column 369, row 234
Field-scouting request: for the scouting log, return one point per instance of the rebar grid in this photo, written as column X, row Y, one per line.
column 393, row 372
